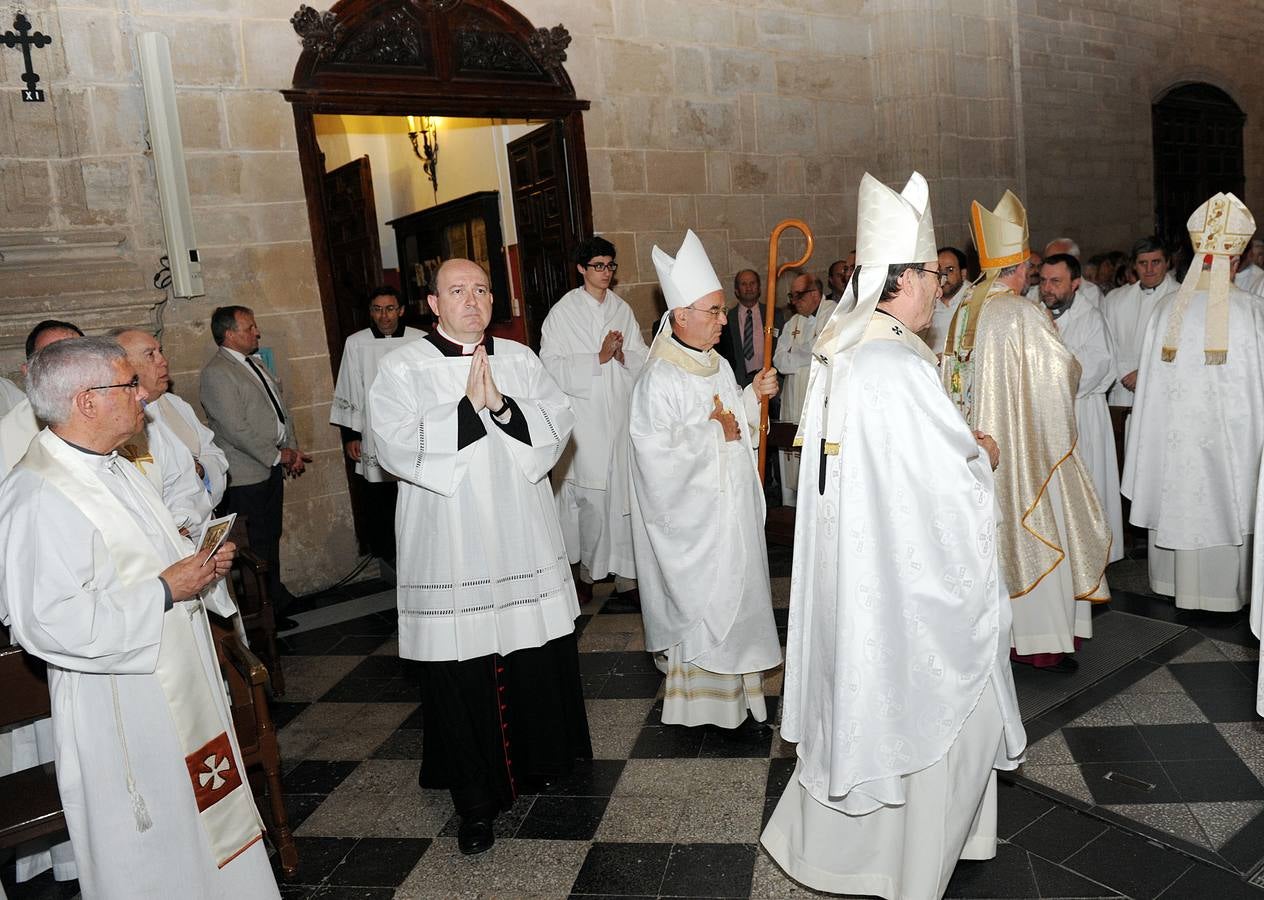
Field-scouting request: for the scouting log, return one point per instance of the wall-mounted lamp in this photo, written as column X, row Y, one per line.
column 427, row 128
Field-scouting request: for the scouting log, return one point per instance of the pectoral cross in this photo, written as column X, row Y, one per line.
column 795, row 334
column 25, row 40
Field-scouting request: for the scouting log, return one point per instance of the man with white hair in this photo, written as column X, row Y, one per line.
column 98, row 582
column 176, row 416
column 1197, row 430
column 898, row 689
column 698, row 508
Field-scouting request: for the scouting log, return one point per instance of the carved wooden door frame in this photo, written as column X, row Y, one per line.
column 460, row 58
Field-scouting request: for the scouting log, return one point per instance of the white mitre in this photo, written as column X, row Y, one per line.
column 689, row 276
column 891, row 228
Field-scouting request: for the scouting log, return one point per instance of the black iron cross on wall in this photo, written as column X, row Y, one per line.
column 25, row 40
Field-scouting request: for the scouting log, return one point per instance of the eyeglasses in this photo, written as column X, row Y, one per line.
column 799, row 295
column 942, row 276
column 715, row 312
column 130, row 385
column 611, row 267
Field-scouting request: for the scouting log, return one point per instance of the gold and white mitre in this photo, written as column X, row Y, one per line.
column 689, row 276
column 1000, row 235
column 1220, row 229
column 1001, row 239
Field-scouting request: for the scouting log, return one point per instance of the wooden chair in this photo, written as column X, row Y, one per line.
column 247, row 679
column 779, row 521
column 248, row 583
column 30, row 806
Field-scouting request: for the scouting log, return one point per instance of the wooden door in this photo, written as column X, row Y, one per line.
column 1197, row 152
column 355, row 263
column 355, row 257
column 543, row 201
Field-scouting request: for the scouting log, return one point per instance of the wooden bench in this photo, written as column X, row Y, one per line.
column 248, row 583
column 30, row 806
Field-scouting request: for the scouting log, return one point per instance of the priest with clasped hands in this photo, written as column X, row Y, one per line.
column 471, row 425
column 698, row 509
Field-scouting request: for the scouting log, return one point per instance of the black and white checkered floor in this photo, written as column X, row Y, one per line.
column 1146, row 784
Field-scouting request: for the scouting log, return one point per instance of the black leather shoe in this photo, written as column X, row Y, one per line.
column 1066, row 666
column 475, row 836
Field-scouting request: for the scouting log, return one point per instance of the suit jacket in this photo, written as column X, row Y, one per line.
column 730, row 346
column 241, row 415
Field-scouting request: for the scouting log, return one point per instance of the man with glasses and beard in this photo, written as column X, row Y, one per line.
column 698, row 509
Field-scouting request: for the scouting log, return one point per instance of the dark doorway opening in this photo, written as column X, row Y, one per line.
column 452, row 58
column 1197, row 152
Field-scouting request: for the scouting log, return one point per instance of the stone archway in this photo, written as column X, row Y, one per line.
column 1197, row 152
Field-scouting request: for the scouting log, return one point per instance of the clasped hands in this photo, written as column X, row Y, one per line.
column 294, row 461
column 988, row 443
column 611, row 347
column 479, row 386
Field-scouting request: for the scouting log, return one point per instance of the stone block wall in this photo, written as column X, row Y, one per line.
column 74, row 173
column 1090, row 70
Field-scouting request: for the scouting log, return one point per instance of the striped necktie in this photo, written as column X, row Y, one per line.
column 748, row 335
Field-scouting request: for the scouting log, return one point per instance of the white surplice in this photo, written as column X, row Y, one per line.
column 493, row 577
column 1193, row 454
column 180, row 419
column 17, row 428
column 361, row 356
column 792, row 359
column 898, row 688
column 697, row 528
column 1127, row 311
column 1250, row 279
column 1084, row 332
column 592, row 498
column 101, row 634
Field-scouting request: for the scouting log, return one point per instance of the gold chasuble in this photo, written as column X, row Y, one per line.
column 1018, row 384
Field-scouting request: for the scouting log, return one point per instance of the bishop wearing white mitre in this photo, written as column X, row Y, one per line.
column 98, row 583
column 898, row 689
column 698, row 508
column 1192, row 461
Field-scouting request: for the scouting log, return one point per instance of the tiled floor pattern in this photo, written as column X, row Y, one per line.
column 671, row 812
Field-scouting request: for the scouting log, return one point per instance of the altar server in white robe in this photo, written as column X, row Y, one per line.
column 1084, row 332
column 592, row 346
column 1197, row 430
column 471, row 426
column 1250, row 274
column 698, row 508
column 792, row 358
column 99, row 584
column 952, row 266
column 898, row 691
column 1129, row 309
column 10, row 395
column 361, row 355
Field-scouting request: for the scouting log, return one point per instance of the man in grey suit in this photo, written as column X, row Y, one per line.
column 246, row 410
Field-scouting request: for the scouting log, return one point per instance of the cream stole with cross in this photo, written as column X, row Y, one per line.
column 227, row 809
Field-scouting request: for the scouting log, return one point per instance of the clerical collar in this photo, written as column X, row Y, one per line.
column 686, row 346
column 449, row 347
column 378, row 333
column 1057, row 311
column 85, row 450
column 1148, row 290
